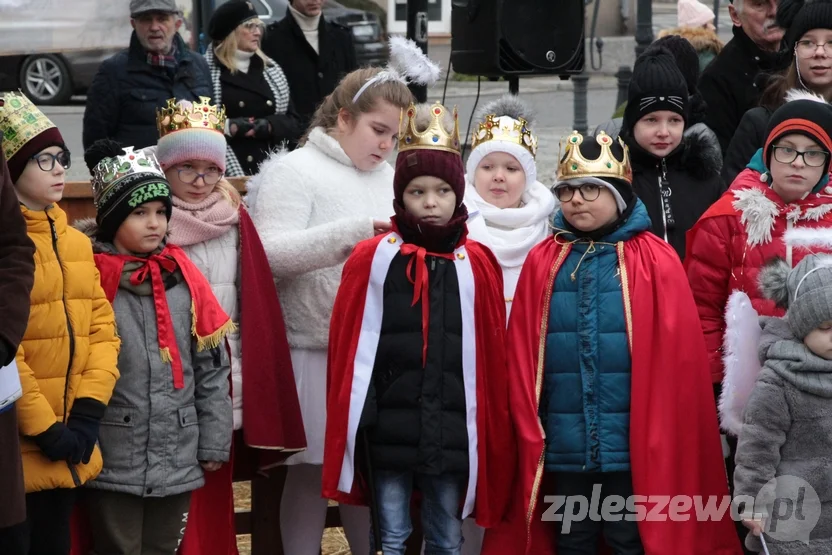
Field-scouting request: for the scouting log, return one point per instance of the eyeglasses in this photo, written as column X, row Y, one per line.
column 787, row 155
column 254, row 24
column 189, row 176
column 46, row 161
column 589, row 192
column 807, row 48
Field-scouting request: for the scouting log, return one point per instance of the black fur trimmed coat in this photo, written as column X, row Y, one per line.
column 694, row 183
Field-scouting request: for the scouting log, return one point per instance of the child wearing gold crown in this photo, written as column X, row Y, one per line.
column 212, row 226
column 610, row 392
column 170, row 416
column 67, row 359
column 417, row 380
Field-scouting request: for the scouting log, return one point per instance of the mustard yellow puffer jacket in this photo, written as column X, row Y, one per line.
column 70, row 348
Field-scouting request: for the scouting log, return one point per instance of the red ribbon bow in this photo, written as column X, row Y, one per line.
column 421, row 285
column 169, row 349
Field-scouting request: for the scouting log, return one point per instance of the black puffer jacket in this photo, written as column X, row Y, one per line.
column 126, row 91
column 415, row 415
column 749, row 137
column 733, row 83
column 691, row 182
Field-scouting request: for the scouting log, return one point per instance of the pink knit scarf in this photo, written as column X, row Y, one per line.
column 195, row 223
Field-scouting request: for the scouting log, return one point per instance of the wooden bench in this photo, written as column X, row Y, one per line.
column 262, row 522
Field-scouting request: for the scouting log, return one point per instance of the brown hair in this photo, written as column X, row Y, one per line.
column 395, row 92
column 778, row 85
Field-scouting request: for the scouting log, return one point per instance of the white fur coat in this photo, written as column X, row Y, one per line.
column 311, row 207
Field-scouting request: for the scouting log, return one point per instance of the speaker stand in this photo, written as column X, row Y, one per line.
column 580, row 102
column 514, row 85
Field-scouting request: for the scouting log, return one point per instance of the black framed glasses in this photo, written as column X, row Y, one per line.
column 589, row 192
column 807, row 48
column 46, row 161
column 812, row 158
column 189, row 176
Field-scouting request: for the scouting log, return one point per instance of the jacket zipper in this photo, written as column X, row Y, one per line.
column 667, row 211
column 72, row 471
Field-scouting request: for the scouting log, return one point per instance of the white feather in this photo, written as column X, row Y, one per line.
column 803, row 94
column 742, row 363
column 408, row 60
column 809, row 237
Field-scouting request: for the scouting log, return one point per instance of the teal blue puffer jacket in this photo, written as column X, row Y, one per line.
column 585, row 403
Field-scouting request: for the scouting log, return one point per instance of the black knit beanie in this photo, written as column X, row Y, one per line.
column 657, row 84
column 687, row 60
column 228, row 17
column 798, row 17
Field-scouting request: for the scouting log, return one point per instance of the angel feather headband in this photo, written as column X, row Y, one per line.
column 408, row 64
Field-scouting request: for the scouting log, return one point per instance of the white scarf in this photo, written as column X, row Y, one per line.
column 242, row 60
column 511, row 233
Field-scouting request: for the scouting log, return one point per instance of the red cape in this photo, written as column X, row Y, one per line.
column 675, row 447
column 272, row 422
column 495, row 445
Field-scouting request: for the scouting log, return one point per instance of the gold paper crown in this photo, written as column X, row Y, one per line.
column 201, row 115
column 434, row 137
column 109, row 173
column 574, row 166
column 20, row 122
column 505, row 129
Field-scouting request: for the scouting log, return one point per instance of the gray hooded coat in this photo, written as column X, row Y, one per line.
column 787, row 431
column 153, row 436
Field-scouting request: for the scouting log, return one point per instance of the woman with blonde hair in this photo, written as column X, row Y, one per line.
column 251, row 86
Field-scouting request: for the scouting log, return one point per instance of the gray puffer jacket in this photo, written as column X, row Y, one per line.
column 787, row 431
column 153, row 436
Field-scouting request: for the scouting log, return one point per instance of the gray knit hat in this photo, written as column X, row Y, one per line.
column 806, row 291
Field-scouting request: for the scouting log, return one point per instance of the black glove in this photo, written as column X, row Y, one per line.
column 59, row 443
column 244, row 125
column 84, row 420
column 262, row 129
column 4, row 353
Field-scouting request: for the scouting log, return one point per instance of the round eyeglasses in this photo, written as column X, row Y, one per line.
column 589, row 192
column 787, row 155
column 807, row 48
column 189, row 176
column 46, row 161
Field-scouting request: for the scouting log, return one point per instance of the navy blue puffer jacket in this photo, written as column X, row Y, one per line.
column 585, row 403
column 126, row 91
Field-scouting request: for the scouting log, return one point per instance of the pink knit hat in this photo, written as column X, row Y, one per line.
column 694, row 14
column 191, row 141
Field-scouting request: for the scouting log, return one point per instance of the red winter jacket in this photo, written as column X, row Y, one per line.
column 730, row 243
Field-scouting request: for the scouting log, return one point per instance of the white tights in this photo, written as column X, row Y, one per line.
column 303, row 514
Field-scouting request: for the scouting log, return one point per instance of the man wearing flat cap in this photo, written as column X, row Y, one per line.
column 130, row 86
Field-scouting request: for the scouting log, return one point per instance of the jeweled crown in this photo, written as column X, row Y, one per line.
column 20, row 122
column 109, row 172
column 505, row 129
column 573, row 165
column 434, row 137
column 200, row 115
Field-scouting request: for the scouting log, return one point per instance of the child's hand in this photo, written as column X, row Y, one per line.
column 210, row 466
column 381, row 226
column 755, row 525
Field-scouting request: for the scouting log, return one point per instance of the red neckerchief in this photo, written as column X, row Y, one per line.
column 421, row 285
column 210, row 323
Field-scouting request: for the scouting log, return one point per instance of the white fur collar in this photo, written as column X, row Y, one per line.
column 327, row 144
column 758, row 214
